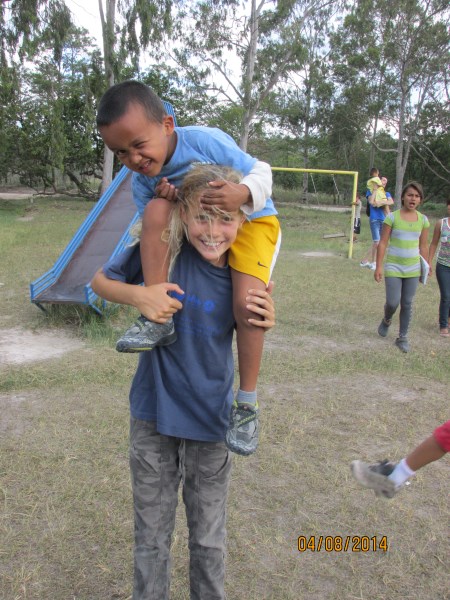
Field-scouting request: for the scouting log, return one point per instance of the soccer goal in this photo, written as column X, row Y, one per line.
column 353, row 174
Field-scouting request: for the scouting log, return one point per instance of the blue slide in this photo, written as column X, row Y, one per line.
column 104, row 233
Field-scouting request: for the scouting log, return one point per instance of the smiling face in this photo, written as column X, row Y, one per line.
column 210, row 232
column 142, row 145
column 411, row 198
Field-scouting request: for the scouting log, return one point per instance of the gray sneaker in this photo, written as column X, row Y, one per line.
column 145, row 335
column 403, row 344
column 383, row 328
column 243, row 431
column 375, row 477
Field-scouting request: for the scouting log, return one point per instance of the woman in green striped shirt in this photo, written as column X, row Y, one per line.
column 404, row 234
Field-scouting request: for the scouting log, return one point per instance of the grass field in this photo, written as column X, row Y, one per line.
column 331, row 390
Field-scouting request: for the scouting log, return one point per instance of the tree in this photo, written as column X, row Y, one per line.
column 304, row 104
column 50, row 129
column 267, row 42
column 140, row 24
column 402, row 62
column 26, row 23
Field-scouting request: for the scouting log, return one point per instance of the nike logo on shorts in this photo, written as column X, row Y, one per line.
column 261, row 265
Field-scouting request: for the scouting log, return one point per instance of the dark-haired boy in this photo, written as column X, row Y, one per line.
column 135, row 126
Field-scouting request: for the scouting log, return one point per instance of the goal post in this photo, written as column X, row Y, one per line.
column 354, row 174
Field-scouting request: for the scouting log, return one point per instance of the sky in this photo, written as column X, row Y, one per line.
column 86, row 14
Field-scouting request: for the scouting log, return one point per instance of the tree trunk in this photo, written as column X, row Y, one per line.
column 108, row 57
column 248, row 75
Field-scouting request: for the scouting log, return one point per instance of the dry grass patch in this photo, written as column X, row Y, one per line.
column 330, row 390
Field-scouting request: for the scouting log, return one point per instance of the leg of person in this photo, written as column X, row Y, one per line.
column 443, row 279
column 249, row 339
column 369, row 258
column 206, row 476
column 386, row 478
column 366, row 260
column 243, row 432
column 252, row 258
column 393, row 287
column 427, row 452
column 155, row 478
column 373, row 257
column 144, row 334
column 409, row 288
column 376, row 226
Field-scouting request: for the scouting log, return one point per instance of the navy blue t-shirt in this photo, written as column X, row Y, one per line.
column 187, row 387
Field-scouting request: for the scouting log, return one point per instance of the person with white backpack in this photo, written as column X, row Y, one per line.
column 441, row 235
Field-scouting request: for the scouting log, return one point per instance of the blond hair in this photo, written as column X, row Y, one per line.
column 196, row 180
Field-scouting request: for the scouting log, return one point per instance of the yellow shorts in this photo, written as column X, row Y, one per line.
column 256, row 248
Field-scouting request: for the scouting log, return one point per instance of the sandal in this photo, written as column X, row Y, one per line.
column 444, row 332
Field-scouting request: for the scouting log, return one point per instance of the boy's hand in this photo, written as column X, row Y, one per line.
column 154, row 303
column 261, row 303
column 166, row 190
column 225, row 195
column 378, row 275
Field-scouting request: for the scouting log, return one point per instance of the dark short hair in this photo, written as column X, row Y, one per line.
column 374, row 172
column 116, row 100
column 414, row 184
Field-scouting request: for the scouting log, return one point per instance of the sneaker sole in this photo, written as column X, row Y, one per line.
column 233, row 447
column 127, row 348
column 381, row 485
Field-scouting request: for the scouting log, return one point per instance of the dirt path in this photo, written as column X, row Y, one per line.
column 18, row 346
column 16, row 193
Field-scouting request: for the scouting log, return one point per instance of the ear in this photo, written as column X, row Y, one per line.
column 168, row 124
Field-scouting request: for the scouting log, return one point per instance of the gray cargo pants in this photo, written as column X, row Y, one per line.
column 158, row 463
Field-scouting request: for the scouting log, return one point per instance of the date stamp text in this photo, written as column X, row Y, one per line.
column 339, row 543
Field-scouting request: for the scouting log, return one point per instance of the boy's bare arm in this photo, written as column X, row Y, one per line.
column 166, row 190
column 227, row 196
column 250, row 195
column 152, row 302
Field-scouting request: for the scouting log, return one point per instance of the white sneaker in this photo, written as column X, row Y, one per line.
column 364, row 263
column 372, row 266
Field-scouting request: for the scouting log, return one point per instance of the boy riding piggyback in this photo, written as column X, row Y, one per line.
column 134, row 124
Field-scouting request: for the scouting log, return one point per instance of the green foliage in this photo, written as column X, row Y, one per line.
column 50, row 123
column 391, row 60
column 287, row 179
column 30, row 22
column 297, row 95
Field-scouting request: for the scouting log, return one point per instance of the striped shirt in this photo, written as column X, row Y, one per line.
column 403, row 254
column 444, row 251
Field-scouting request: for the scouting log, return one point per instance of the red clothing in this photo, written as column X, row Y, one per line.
column 442, row 436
